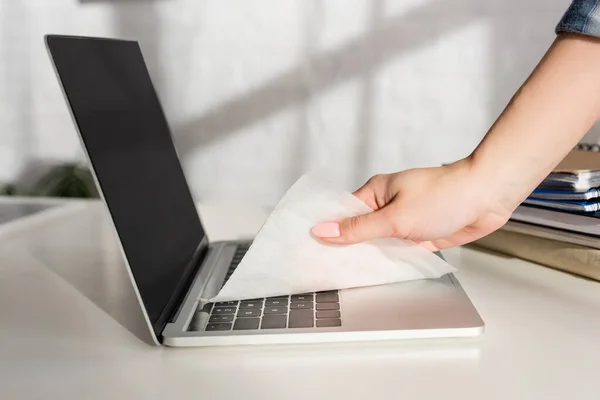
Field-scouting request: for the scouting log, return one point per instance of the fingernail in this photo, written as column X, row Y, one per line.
column 327, row 230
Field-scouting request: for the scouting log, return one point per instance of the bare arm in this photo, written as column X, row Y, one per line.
column 547, row 117
column 452, row 205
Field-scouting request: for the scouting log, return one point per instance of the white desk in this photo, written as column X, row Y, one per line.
column 63, row 293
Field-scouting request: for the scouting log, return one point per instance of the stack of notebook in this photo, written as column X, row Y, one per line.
column 558, row 225
column 573, row 186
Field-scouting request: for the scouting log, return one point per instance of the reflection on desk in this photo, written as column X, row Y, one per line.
column 11, row 211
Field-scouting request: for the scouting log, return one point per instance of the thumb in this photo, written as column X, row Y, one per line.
column 360, row 228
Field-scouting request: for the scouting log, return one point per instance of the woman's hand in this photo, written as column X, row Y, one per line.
column 452, row 205
column 438, row 207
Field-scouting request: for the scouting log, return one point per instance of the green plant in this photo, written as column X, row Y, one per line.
column 8, row 190
column 67, row 180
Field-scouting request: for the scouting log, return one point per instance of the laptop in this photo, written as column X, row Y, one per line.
column 170, row 260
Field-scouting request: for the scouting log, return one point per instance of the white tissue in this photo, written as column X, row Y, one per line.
column 285, row 258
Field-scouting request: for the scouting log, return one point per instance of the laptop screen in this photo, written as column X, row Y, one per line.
column 129, row 144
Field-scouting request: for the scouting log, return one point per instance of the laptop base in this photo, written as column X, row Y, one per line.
column 431, row 308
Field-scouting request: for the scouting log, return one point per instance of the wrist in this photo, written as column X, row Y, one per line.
column 508, row 176
column 493, row 187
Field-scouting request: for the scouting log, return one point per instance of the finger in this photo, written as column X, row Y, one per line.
column 357, row 229
column 446, row 243
column 428, row 245
column 461, row 237
column 367, row 196
column 367, row 192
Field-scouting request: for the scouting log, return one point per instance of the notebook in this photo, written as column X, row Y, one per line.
column 575, row 222
column 579, row 170
column 567, row 195
column 553, row 234
column 588, row 146
column 584, row 206
column 563, row 256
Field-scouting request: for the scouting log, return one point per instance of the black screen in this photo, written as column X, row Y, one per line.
column 129, row 144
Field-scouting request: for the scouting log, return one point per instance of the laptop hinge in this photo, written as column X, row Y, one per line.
column 174, row 304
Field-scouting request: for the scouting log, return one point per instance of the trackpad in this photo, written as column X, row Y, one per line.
column 419, row 304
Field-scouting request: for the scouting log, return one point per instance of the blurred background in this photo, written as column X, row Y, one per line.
column 258, row 92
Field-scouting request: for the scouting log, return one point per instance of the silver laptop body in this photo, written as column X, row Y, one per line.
column 169, row 258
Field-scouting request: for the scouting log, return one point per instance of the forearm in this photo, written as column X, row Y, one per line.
column 550, row 113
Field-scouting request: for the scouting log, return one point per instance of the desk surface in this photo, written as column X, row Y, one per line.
column 14, row 209
column 69, row 330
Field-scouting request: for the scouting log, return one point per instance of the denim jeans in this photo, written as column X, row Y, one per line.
column 582, row 16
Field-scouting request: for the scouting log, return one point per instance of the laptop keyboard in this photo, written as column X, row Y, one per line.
column 307, row 310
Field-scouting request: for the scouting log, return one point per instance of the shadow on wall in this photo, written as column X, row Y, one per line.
column 23, row 101
column 357, row 59
column 133, row 19
column 385, row 39
column 136, row 19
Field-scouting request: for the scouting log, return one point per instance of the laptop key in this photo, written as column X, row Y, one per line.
column 301, row 306
column 276, row 302
column 224, row 310
column 275, row 310
column 327, row 298
column 251, row 305
column 248, row 313
column 226, row 303
column 328, row 314
column 273, row 322
column 207, row 308
column 302, row 297
column 246, row 323
column 327, row 306
column 218, row 327
column 301, row 319
column 328, row 292
column 328, row 323
column 221, row 318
